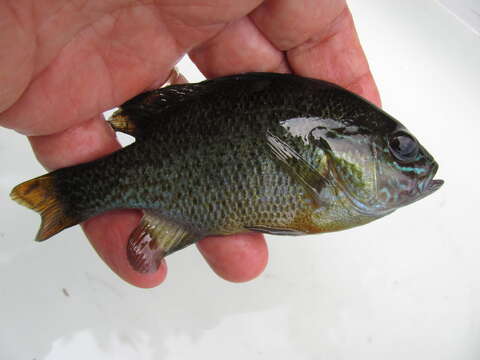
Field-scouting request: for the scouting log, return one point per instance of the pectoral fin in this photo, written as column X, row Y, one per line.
column 153, row 239
column 296, row 166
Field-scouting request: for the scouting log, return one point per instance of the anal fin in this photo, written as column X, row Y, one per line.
column 153, row 239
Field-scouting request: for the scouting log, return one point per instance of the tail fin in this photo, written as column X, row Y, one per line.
column 39, row 194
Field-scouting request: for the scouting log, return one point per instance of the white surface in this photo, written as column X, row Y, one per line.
column 467, row 11
column 405, row 287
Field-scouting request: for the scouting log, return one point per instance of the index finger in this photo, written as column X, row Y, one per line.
column 313, row 38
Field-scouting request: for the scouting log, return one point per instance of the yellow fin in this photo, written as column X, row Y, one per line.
column 39, row 194
column 120, row 122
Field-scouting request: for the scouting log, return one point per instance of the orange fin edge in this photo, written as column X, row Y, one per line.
column 39, row 195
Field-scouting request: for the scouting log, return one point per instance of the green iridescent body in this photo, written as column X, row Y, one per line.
column 265, row 152
column 204, row 161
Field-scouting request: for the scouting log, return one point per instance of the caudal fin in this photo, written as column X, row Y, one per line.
column 39, row 194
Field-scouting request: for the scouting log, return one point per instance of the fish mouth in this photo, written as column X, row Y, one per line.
column 426, row 188
column 432, row 186
column 429, row 185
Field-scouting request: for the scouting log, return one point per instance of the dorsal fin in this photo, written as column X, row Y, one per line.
column 153, row 239
column 159, row 100
column 122, row 123
column 134, row 116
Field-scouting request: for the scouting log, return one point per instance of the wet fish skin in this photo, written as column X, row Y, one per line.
column 266, row 152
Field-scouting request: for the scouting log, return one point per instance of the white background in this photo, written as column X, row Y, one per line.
column 404, row 287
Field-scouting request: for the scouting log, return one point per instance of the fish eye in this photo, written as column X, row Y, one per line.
column 403, row 146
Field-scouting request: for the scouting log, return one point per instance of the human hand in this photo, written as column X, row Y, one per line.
column 68, row 61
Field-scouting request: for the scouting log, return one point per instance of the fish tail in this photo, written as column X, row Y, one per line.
column 39, row 194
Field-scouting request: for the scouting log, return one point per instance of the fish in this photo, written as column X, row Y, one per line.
column 255, row 152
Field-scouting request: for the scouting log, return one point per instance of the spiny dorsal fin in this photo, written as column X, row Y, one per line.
column 153, row 239
column 135, row 115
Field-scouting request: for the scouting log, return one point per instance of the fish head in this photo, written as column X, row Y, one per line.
column 381, row 172
column 370, row 168
column 379, row 166
column 404, row 171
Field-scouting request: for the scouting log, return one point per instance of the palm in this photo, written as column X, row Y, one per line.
column 81, row 58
